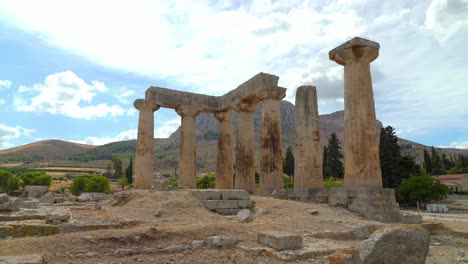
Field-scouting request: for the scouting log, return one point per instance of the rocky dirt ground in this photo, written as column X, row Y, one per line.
column 169, row 224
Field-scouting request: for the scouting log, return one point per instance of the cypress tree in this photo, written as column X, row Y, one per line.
column 288, row 162
column 326, row 174
column 129, row 172
column 436, row 162
column 335, row 165
column 390, row 158
column 427, row 162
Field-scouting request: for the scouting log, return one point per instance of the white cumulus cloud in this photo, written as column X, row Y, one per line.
column 459, row 144
column 167, row 128
column 5, row 84
column 124, row 135
column 445, row 18
column 8, row 133
column 65, row 93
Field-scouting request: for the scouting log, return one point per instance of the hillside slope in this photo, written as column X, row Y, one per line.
column 51, row 149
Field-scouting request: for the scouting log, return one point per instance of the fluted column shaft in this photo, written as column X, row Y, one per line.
column 187, row 153
column 361, row 146
column 245, row 162
column 144, row 157
column 224, row 169
column 271, row 159
column 308, row 159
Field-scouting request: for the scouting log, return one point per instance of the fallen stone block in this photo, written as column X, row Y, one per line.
column 58, row 217
column 279, row 240
column 313, row 212
column 229, row 211
column 198, row 243
column 48, row 198
column 92, row 197
column 223, row 241
column 245, row 216
column 123, row 252
column 8, row 203
column 34, row 191
column 235, row 195
column 207, row 194
column 29, row 204
column 176, row 249
column 402, row 244
column 226, row 204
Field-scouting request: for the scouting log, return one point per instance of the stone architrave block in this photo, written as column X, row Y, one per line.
column 34, row 191
column 226, row 204
column 280, row 240
column 207, row 194
column 235, row 195
column 48, row 198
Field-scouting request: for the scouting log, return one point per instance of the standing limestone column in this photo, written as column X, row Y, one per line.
column 245, row 162
column 308, row 161
column 187, row 156
column 224, row 170
column 361, row 149
column 144, row 157
column 271, row 157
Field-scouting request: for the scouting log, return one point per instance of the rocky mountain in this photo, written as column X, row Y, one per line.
column 206, row 125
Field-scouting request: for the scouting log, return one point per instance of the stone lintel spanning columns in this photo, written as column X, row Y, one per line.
column 144, row 158
column 224, row 168
column 361, row 149
column 187, row 154
column 308, row 160
column 271, row 158
column 245, row 152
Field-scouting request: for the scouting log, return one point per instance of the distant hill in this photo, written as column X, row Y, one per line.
column 51, row 149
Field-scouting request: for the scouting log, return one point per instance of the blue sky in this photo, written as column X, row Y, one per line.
column 71, row 70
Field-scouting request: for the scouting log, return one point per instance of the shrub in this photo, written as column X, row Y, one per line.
column 332, row 182
column 206, row 181
column 288, row 182
column 122, row 181
column 90, row 183
column 173, row 181
column 35, row 178
column 422, row 189
column 8, row 181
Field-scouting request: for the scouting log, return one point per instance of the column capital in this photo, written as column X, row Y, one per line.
column 188, row 112
column 142, row 104
column 278, row 94
column 247, row 105
column 223, row 115
column 354, row 50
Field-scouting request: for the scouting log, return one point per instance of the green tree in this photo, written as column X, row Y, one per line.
column 129, row 172
column 117, row 166
column 436, row 162
column 206, row 181
column 122, row 182
column 89, row 183
column 288, row 162
column 421, row 188
column 390, row 158
column 326, row 173
column 427, row 162
column 334, row 163
column 8, row 181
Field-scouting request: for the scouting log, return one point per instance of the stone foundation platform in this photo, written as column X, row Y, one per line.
column 223, row 201
column 371, row 202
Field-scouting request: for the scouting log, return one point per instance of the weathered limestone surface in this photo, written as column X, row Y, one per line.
column 245, row 163
column 308, row 162
column 361, row 149
column 371, row 202
column 401, row 244
column 34, row 191
column 187, row 156
column 271, row 159
column 224, row 165
column 225, row 202
column 279, row 240
column 144, row 157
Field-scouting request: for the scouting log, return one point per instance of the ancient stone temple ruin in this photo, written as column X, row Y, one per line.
column 244, row 100
column 362, row 191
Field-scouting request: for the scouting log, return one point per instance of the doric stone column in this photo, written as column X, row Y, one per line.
column 361, row 149
column 245, row 149
column 224, row 169
column 144, row 158
column 187, row 156
column 271, row 158
column 308, row 159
